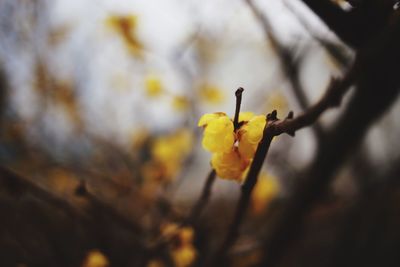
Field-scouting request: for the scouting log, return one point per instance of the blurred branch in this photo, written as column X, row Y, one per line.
column 357, row 26
column 288, row 63
column 335, row 50
column 203, row 200
column 3, row 95
column 377, row 70
column 86, row 224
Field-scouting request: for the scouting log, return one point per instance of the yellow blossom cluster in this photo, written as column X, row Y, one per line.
column 167, row 153
column 233, row 149
column 182, row 251
column 264, row 192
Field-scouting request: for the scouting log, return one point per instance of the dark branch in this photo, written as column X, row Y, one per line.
column 358, row 26
column 377, row 89
column 203, row 200
column 238, row 95
column 288, row 63
column 246, row 190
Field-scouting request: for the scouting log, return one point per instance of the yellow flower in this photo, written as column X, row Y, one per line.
column 211, row 94
column 229, row 165
column 264, row 192
column 218, row 133
column 153, row 86
column 95, row 259
column 184, row 256
column 250, row 134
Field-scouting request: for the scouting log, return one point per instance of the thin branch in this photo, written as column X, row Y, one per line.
column 335, row 50
column 107, row 210
column 356, row 27
column 203, row 200
column 238, row 95
column 288, row 63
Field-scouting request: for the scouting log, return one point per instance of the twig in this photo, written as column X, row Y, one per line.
column 336, row 51
column 203, row 200
column 288, row 63
column 238, row 95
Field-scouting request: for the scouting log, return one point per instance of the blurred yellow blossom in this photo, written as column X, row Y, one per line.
column 155, row 263
column 229, row 165
column 182, row 251
column 95, row 259
column 169, row 151
column 264, row 192
column 211, row 94
column 180, row 103
column 186, row 235
column 218, row 133
column 277, row 101
column 125, row 26
column 153, row 86
column 184, row 256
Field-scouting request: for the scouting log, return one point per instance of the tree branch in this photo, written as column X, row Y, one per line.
column 377, row 88
column 288, row 63
column 357, row 26
column 203, row 200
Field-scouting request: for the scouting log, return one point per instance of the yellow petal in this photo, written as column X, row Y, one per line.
column 245, row 116
column 218, row 135
column 206, row 118
column 229, row 165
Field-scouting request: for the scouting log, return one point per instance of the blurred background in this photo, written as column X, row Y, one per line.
column 108, row 94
